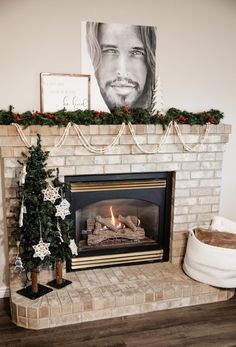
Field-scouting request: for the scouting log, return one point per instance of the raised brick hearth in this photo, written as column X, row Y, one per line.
column 134, row 289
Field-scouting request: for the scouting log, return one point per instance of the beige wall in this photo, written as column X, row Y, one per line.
column 196, row 57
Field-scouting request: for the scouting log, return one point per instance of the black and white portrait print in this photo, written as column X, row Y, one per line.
column 122, row 62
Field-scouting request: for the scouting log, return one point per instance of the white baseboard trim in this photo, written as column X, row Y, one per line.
column 4, row 292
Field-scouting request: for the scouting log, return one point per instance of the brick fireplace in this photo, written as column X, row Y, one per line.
column 136, row 289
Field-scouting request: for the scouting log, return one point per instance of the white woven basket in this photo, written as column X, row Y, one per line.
column 210, row 264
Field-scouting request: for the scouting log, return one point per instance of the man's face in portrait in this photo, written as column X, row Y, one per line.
column 122, row 72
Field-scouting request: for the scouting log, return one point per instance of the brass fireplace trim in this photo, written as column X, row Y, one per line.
column 80, row 187
column 115, row 259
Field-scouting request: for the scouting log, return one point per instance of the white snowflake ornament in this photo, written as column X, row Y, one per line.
column 73, row 247
column 41, row 250
column 51, row 193
column 63, row 209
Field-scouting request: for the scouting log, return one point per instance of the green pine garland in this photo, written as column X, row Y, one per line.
column 118, row 116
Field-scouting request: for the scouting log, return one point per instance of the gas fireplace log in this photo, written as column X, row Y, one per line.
column 128, row 222
column 106, row 223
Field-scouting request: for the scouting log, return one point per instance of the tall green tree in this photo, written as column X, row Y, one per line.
column 41, row 219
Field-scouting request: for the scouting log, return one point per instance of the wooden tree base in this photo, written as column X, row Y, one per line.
column 54, row 284
column 27, row 292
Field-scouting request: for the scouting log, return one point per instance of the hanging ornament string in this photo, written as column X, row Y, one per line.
column 93, row 149
column 157, row 147
column 63, row 137
column 22, row 135
column 57, row 145
column 200, row 142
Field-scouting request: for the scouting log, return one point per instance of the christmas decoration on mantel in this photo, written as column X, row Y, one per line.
column 117, row 116
column 43, row 238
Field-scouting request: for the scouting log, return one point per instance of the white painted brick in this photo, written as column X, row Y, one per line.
column 128, row 139
column 133, row 159
column 228, row 128
column 216, row 191
column 218, row 173
column 219, row 156
column 10, row 172
column 202, row 174
column 205, row 217
column 216, row 147
column 191, row 166
column 67, row 170
column 156, row 167
column 214, row 139
column 159, row 157
column 187, row 184
column 116, row 168
column 183, row 175
column 215, row 208
column 94, row 129
column 62, row 151
column 80, row 160
column 182, row 192
column 172, row 148
column 210, row 183
column 199, row 208
column 101, row 140
column 186, row 128
column 211, row 165
column 187, row 201
column 11, row 162
column 124, row 149
column 56, row 161
column 88, row 169
column 85, row 129
column 144, row 167
column 107, row 159
column 181, row 210
column 141, row 129
column 112, row 129
column 185, row 157
column 206, row 156
column 224, row 138
column 185, row 218
column 209, row 200
column 201, row 191
column 180, row 227
column 191, row 139
column 80, row 150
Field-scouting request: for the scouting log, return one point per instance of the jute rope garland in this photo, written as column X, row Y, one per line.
column 156, row 149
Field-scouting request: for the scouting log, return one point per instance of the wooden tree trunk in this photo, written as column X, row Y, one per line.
column 34, row 279
column 59, row 279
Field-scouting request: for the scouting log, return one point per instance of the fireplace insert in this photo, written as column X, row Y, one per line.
column 120, row 218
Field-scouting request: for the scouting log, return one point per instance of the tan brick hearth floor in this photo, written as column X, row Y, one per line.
column 112, row 292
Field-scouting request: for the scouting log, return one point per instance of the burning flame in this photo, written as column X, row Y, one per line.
column 113, row 221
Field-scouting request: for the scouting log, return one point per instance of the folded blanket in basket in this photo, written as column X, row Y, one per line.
column 216, row 238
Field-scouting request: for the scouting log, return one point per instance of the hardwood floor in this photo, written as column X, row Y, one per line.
column 203, row 325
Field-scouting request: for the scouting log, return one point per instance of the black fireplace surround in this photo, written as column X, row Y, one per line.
column 120, row 218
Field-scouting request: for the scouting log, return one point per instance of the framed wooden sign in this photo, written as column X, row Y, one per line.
column 64, row 91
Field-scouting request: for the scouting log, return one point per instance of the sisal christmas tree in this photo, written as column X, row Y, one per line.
column 45, row 226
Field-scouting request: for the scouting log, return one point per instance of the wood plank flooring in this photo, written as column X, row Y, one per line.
column 203, row 325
